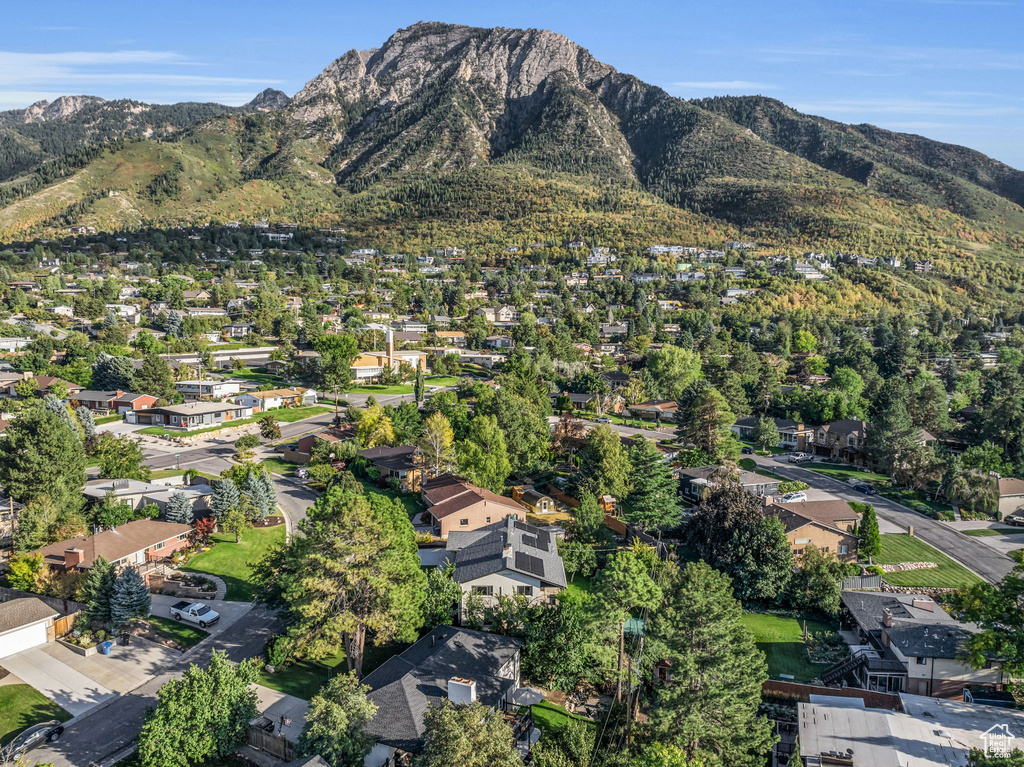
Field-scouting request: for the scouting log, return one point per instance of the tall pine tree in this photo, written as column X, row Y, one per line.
column 652, row 501
column 99, row 588
column 130, row 598
column 225, row 498
column 179, row 509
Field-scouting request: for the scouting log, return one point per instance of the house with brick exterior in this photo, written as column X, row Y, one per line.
column 455, row 504
column 829, row 525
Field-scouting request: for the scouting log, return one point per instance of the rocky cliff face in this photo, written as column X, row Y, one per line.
column 269, row 100
column 61, row 109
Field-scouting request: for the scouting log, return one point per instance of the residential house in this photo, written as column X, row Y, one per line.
column 455, row 504
column 128, row 401
column 13, row 344
column 303, row 452
column 500, row 342
column 273, row 399
column 499, row 313
column 196, row 390
column 610, row 403
column 792, row 435
column 506, row 558
column 138, row 494
column 695, row 482
column 829, row 525
column 369, row 365
column 403, row 464
column 191, row 415
column 655, row 409
column 842, row 440
column 238, row 329
column 8, row 383
column 25, row 623
column 611, row 330
column 453, row 337
column 910, row 644
column 1011, row 496
column 137, row 544
column 98, row 401
column 448, row 664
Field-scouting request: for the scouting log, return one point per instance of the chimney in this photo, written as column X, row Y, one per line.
column 461, row 692
column 73, row 558
column 27, row 375
column 886, row 617
column 924, row 603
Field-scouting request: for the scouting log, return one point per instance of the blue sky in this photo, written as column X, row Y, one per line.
column 948, row 69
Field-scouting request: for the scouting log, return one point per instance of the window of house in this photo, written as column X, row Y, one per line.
column 183, row 536
column 488, row 520
column 484, row 591
column 463, row 523
column 843, row 549
column 158, row 546
column 526, row 591
column 802, row 540
column 797, row 552
column 922, row 661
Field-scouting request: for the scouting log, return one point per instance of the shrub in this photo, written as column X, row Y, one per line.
column 792, row 486
column 875, row 570
column 278, row 650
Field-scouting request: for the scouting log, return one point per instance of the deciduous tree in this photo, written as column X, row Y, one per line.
column 335, row 723
column 438, row 445
column 483, row 456
column 469, row 736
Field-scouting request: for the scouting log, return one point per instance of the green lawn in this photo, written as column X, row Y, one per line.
column 183, row 633
column 287, row 415
column 231, row 561
column 409, row 500
column 843, row 473
column 581, row 584
column 899, row 547
column 280, row 466
column 21, row 706
column 550, row 717
column 378, row 389
column 781, row 641
column 109, row 419
column 440, row 380
column 252, row 375
column 304, row 678
column 987, row 531
column 884, row 486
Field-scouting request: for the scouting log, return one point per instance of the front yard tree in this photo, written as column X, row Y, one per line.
column 87, row 421
column 730, row 533
column 709, row 708
column 375, row 427
column 652, row 501
column 870, row 538
column 99, row 590
column 469, row 736
column 438, row 445
column 673, row 369
column 204, row 714
column 354, row 571
column 237, row 521
column 420, row 388
column 225, row 498
column 121, row 458
column 269, row 427
column 129, row 598
column 155, row 377
column 482, row 456
column 335, row 721
column 259, row 490
column 815, row 584
column 179, row 509
column 766, row 433
column 41, row 456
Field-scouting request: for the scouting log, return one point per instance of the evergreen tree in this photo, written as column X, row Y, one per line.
column 704, row 423
column 121, row 457
column 420, row 384
column 225, row 498
column 179, row 509
column 41, row 456
column 335, row 723
column 155, row 378
column 87, row 422
column 58, row 408
column 130, row 597
column 254, row 489
column 604, row 464
column 870, row 538
column 173, row 326
column 99, row 590
column 709, row 706
column 110, row 373
column 652, row 501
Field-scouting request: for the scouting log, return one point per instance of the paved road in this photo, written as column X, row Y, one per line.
column 109, row 729
column 971, row 553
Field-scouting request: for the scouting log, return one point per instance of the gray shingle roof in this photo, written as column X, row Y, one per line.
column 407, row 684
column 23, row 612
column 507, row 545
column 916, row 640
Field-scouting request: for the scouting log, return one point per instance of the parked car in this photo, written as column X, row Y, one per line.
column 33, row 737
column 1014, row 519
column 339, row 465
column 603, row 420
column 747, row 450
column 865, row 488
column 800, row 458
column 194, row 612
column 794, row 497
column 302, row 473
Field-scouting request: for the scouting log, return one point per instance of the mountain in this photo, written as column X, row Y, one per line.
column 449, row 132
column 269, row 100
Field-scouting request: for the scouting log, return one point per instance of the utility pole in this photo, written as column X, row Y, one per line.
column 629, row 696
column 618, row 676
column 337, row 413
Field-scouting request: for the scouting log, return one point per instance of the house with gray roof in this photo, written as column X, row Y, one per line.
column 504, row 559
column 910, row 644
column 448, row 664
column 25, row 623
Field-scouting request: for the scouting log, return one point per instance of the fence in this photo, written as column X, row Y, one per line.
column 68, row 608
column 268, row 742
column 803, row 692
column 862, row 583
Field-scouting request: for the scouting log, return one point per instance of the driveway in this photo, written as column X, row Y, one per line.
column 1010, row 538
column 119, row 428
column 230, row 612
column 46, row 671
column 976, row 556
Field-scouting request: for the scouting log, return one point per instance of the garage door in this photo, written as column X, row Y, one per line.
column 22, row 639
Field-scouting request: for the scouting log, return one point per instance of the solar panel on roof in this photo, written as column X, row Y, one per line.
column 521, row 526
column 543, row 540
column 531, row 564
column 529, row 540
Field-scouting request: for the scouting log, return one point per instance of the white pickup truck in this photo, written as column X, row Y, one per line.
column 194, row 612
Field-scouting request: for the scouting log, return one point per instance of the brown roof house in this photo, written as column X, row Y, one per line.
column 137, row 544
column 1011, row 496
column 829, row 525
column 455, row 504
column 695, row 482
column 402, row 463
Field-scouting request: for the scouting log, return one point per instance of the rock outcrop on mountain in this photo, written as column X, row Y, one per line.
column 269, row 100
